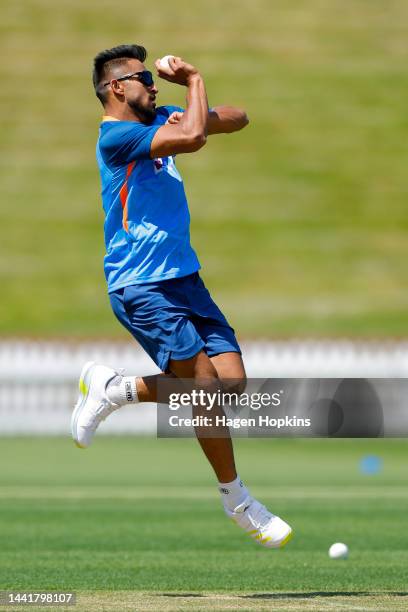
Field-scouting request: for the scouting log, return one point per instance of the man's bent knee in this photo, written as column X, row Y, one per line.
column 234, row 385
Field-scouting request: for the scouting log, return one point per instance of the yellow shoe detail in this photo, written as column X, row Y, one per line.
column 286, row 540
column 82, row 387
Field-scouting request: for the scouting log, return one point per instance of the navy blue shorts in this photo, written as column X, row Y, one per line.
column 174, row 319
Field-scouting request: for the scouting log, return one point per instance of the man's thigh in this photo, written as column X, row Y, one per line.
column 217, row 334
column 158, row 321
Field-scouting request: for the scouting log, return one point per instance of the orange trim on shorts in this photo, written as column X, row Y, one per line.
column 123, row 194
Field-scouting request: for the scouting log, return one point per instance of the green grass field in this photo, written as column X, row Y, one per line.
column 136, row 524
column 300, row 220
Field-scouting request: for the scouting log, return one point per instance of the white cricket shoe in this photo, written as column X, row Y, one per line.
column 93, row 405
column 263, row 526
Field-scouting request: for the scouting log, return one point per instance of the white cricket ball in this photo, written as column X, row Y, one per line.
column 338, row 551
column 164, row 62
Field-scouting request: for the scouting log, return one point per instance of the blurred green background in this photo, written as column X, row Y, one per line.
column 300, row 220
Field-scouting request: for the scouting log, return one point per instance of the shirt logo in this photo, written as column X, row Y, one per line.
column 166, row 164
column 158, row 164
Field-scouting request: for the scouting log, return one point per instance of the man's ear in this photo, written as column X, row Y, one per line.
column 117, row 87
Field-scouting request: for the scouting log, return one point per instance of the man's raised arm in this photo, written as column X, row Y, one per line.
column 226, row 119
column 221, row 119
column 190, row 133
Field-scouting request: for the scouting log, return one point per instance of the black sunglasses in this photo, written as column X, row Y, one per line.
column 144, row 76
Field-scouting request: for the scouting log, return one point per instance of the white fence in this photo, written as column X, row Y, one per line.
column 38, row 380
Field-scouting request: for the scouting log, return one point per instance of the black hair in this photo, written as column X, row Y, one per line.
column 113, row 57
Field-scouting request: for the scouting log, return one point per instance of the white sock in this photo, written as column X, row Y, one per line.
column 233, row 493
column 122, row 390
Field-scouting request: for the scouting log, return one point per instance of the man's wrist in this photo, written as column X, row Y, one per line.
column 194, row 76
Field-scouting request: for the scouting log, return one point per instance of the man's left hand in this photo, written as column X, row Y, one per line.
column 175, row 117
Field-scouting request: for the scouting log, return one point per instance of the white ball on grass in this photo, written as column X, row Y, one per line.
column 338, row 551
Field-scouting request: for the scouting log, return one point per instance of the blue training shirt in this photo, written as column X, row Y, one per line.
column 147, row 223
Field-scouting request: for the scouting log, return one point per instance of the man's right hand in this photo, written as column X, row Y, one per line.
column 180, row 72
column 190, row 132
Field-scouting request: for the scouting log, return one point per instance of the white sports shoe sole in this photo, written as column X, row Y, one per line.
column 84, row 384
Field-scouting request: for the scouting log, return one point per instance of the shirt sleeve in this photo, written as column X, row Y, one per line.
column 126, row 142
column 172, row 109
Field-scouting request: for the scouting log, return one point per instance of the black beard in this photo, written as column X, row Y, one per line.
column 146, row 115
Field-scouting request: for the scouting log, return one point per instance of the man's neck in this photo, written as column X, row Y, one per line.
column 119, row 114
